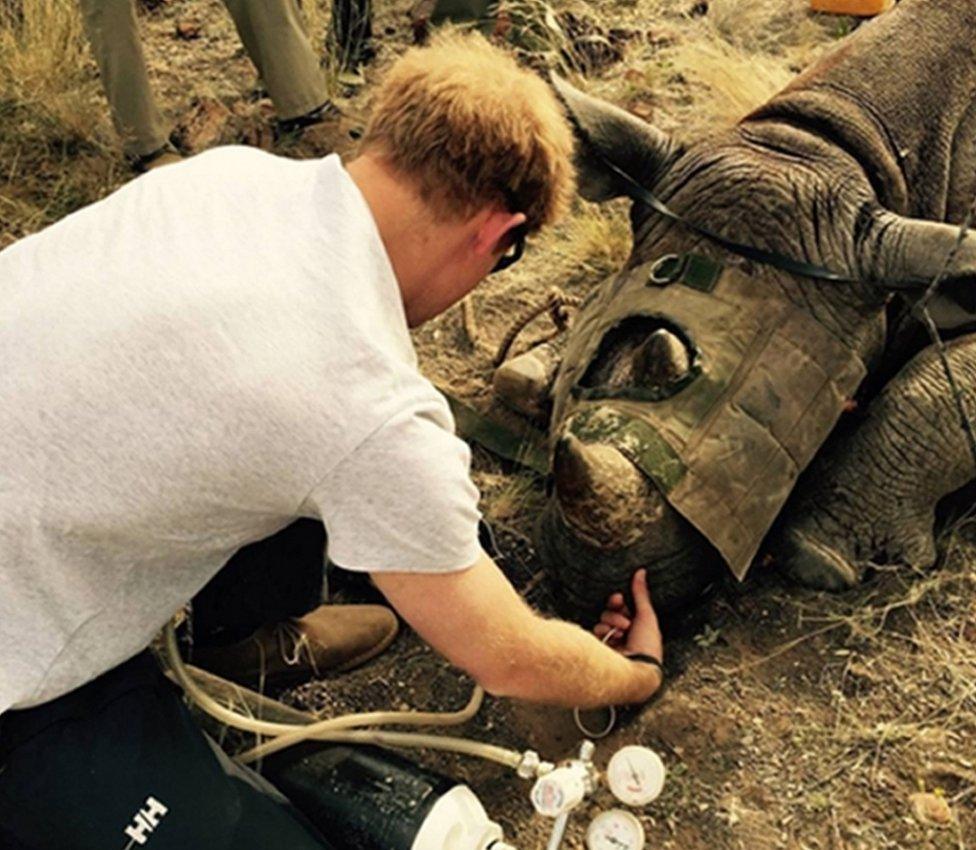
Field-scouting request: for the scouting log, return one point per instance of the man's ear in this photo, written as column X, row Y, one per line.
column 497, row 225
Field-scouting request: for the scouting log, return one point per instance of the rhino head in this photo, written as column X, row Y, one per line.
column 812, row 175
column 609, row 513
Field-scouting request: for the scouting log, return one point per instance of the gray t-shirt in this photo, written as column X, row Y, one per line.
column 185, row 367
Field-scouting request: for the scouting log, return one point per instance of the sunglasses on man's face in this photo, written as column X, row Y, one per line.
column 515, row 249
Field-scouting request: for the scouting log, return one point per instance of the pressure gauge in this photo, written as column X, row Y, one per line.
column 635, row 775
column 615, row 830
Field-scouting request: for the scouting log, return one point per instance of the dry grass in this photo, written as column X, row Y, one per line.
column 594, row 241
column 509, row 498
column 317, row 23
column 765, row 26
column 45, row 71
column 54, row 131
column 796, row 720
column 538, row 32
column 898, row 706
column 733, row 81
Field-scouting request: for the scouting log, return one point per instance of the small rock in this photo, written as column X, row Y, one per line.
column 188, row 30
column 930, row 808
column 642, row 109
column 202, row 126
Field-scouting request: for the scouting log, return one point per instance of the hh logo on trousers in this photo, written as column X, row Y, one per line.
column 145, row 821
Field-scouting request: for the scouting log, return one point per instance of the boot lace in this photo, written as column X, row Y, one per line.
column 293, row 644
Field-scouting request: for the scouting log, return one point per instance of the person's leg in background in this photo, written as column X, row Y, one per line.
column 120, row 763
column 113, row 33
column 260, row 621
column 429, row 14
column 352, row 32
column 463, row 11
column 274, row 36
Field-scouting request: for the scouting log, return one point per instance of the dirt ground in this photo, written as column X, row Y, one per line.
column 792, row 719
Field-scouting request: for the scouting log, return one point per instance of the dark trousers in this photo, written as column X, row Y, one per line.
column 119, row 764
column 266, row 582
column 352, row 31
column 352, row 25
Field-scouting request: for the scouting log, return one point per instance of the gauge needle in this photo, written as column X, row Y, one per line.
column 612, row 839
column 633, row 773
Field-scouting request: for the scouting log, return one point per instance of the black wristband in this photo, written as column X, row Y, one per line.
column 647, row 659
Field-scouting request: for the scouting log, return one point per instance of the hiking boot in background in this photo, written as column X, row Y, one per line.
column 314, row 134
column 166, row 155
column 330, row 639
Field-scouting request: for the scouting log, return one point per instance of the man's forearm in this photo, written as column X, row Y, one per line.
column 557, row 662
column 478, row 622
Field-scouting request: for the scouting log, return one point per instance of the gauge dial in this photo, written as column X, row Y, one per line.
column 635, row 775
column 615, row 830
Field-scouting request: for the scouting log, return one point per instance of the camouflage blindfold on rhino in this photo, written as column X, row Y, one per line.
column 726, row 439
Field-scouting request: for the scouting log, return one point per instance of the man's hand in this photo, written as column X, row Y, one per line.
column 631, row 633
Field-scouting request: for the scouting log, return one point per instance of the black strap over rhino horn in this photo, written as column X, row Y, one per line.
column 769, row 258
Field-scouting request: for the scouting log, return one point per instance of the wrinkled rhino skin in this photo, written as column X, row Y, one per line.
column 863, row 165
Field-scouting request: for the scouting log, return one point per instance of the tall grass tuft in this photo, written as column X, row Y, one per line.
column 731, row 82
column 55, row 135
column 46, row 76
column 769, row 26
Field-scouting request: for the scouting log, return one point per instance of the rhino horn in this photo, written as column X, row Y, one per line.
column 603, row 497
column 661, row 360
column 900, row 252
column 606, row 133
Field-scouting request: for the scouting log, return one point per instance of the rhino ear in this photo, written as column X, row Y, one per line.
column 606, row 133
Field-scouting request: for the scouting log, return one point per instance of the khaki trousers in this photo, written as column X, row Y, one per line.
column 271, row 31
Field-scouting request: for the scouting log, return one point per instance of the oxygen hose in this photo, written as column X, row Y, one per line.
column 345, row 729
column 410, row 740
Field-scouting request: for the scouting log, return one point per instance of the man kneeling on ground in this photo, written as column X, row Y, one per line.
column 213, row 351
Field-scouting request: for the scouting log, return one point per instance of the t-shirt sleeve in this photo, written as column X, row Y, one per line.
column 403, row 500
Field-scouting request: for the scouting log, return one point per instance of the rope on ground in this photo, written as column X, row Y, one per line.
column 556, row 302
column 470, row 320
